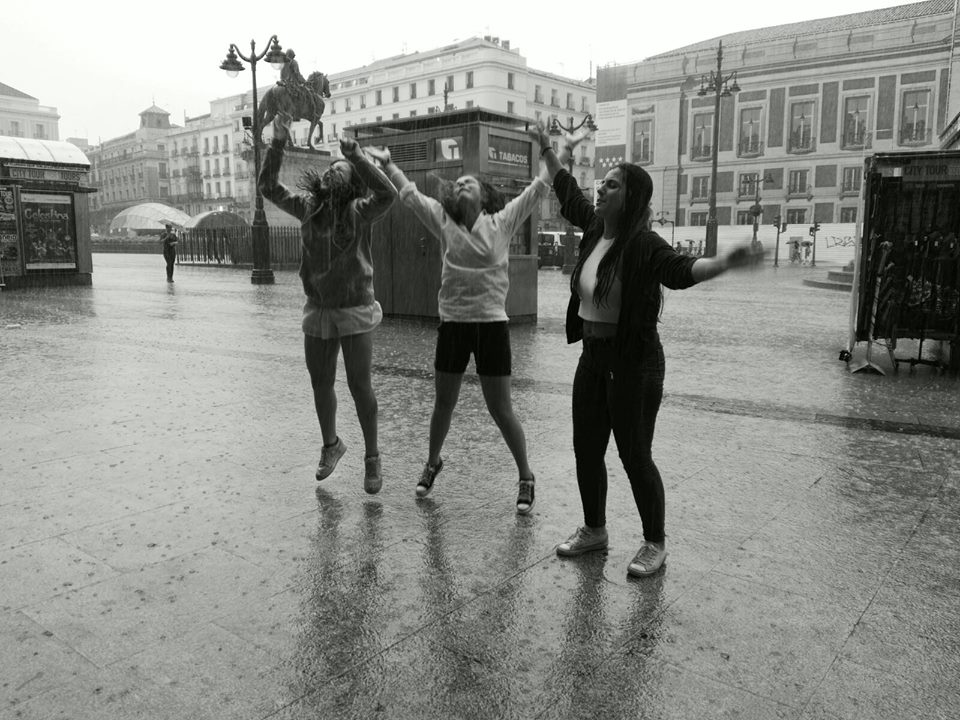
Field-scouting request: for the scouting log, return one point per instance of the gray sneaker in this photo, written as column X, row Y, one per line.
column 372, row 482
column 329, row 457
column 584, row 540
column 648, row 560
column 429, row 474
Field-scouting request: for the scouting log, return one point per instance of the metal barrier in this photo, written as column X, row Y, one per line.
column 234, row 246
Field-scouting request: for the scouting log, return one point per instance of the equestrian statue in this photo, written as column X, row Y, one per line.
column 296, row 98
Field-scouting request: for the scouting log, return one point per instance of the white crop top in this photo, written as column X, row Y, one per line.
column 587, row 285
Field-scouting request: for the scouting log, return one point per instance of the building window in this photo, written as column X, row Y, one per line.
column 798, row 182
column 801, row 127
column 848, row 214
column 378, row 97
column 744, row 217
column 797, row 216
column 570, row 105
column 510, row 107
column 347, row 106
column 698, row 219
column 642, row 137
column 748, row 185
column 470, row 78
column 702, row 136
column 15, row 128
column 413, row 91
column 431, row 87
column 226, row 165
column 554, row 97
column 509, row 81
column 226, row 143
column 162, row 170
column 396, row 93
column 449, row 84
column 751, row 130
column 914, row 128
column 363, row 102
column 701, row 188
column 38, row 132
column 856, row 119
column 229, row 189
column 413, row 113
column 469, row 103
column 396, row 116
column 206, row 146
column 851, row 180
column 538, row 94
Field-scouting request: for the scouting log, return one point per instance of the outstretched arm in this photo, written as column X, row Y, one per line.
column 742, row 256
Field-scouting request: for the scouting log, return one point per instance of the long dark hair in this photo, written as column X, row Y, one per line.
column 491, row 199
column 337, row 192
column 636, row 217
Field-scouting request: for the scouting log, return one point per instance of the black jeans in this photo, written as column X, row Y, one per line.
column 623, row 395
column 170, row 257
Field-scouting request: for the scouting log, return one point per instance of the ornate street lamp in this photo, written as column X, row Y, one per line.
column 721, row 86
column 262, row 273
column 556, row 128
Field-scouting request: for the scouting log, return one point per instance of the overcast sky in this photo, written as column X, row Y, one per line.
column 101, row 62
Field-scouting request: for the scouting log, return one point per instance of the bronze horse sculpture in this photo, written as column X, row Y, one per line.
column 306, row 103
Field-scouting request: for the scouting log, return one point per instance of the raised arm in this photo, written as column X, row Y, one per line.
column 427, row 210
column 269, row 181
column 384, row 192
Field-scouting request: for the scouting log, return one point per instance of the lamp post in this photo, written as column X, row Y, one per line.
column 757, row 209
column 568, row 237
column 662, row 219
column 262, row 273
column 721, row 86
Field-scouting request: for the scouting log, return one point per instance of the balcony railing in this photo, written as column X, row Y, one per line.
column 800, row 143
column 915, row 136
column 856, row 140
column 850, row 188
column 750, row 148
column 701, row 152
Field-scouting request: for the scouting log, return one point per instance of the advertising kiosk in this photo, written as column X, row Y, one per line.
column 493, row 147
column 44, row 214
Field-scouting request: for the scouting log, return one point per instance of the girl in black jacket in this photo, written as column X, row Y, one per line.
column 615, row 303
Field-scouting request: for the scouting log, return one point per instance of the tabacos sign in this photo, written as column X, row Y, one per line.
column 507, row 151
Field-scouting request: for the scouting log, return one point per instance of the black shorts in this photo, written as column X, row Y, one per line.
column 488, row 341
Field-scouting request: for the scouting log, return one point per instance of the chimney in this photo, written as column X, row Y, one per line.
column 506, row 44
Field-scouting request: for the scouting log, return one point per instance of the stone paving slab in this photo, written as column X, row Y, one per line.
column 165, row 551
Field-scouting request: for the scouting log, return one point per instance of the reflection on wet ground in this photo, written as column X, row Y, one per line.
column 166, row 553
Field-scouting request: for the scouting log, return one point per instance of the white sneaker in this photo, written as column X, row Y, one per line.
column 584, row 540
column 648, row 560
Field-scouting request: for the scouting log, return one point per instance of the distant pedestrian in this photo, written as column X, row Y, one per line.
column 336, row 267
column 474, row 226
column 615, row 304
column 169, row 239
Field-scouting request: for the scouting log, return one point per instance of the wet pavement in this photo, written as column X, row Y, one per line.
column 165, row 551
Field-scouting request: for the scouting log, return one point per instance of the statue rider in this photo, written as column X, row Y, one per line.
column 290, row 77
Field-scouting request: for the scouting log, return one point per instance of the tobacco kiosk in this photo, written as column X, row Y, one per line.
column 44, row 214
column 493, row 147
column 907, row 269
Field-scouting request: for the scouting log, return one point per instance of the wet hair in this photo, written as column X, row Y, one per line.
column 636, row 217
column 445, row 192
column 338, row 192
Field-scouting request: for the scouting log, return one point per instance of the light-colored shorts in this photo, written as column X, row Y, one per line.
column 330, row 323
